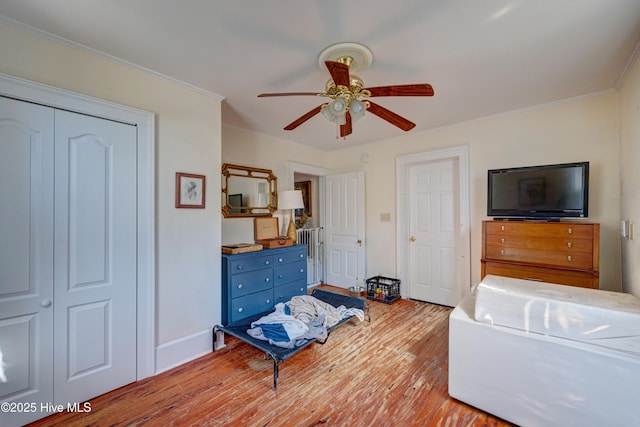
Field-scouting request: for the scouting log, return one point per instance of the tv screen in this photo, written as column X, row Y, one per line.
column 235, row 200
column 549, row 191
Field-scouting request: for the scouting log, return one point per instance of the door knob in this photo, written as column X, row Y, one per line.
column 45, row 303
column 413, row 238
column 359, row 242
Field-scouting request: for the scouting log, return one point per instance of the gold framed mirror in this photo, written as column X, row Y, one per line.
column 248, row 192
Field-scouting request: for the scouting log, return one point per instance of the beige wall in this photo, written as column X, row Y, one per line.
column 188, row 138
column 630, row 175
column 583, row 129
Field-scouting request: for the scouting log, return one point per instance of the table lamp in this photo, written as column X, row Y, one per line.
column 291, row 199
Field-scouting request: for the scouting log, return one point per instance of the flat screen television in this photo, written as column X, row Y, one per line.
column 235, row 200
column 539, row 192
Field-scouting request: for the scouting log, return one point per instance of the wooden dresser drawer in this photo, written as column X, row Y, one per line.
column 552, row 244
column 578, row 260
column 540, row 229
column 539, row 274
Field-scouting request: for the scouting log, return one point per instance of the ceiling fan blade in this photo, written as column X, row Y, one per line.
column 300, row 120
column 402, row 90
column 263, row 95
column 339, row 73
column 346, row 128
column 390, row 116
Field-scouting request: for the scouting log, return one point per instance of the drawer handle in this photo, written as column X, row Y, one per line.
column 502, row 240
column 502, row 252
column 302, row 270
column 238, row 267
column 279, row 259
column 267, row 279
column 240, row 286
column 280, row 276
column 569, row 258
column 267, row 262
column 240, row 310
column 301, row 255
column 569, row 244
column 502, row 227
column 268, row 301
column 570, row 230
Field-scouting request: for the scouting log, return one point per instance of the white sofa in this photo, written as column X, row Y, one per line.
column 540, row 354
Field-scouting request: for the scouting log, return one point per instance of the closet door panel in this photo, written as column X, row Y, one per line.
column 26, row 256
column 95, row 255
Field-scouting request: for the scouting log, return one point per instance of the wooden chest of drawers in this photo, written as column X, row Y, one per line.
column 567, row 253
column 254, row 282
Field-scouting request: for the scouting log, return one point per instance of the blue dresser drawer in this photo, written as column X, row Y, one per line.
column 253, row 281
column 250, row 263
column 289, row 272
column 297, row 254
column 284, row 293
column 250, row 305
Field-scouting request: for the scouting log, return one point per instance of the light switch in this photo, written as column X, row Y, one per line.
column 385, row 217
column 624, row 228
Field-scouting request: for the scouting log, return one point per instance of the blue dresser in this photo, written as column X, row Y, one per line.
column 254, row 282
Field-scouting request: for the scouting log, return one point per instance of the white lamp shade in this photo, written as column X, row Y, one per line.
column 291, row 199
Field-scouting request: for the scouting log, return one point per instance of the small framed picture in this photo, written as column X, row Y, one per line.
column 190, row 190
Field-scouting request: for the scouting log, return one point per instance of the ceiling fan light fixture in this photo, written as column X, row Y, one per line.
column 336, row 110
column 327, row 113
column 357, row 109
column 339, row 106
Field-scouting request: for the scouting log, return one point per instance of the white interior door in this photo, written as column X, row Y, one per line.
column 68, row 227
column 344, row 224
column 95, row 256
column 26, row 256
column 433, row 219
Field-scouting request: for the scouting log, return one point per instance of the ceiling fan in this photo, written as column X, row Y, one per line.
column 345, row 89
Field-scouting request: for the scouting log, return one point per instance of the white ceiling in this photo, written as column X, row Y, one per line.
column 483, row 57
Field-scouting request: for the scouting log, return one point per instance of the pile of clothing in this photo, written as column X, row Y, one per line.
column 302, row 318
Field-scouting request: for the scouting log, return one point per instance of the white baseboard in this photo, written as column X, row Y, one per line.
column 183, row 350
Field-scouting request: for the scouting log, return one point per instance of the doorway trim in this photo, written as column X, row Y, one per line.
column 311, row 170
column 321, row 173
column 26, row 90
column 463, row 245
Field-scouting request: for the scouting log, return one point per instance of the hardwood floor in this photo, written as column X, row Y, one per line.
column 389, row 372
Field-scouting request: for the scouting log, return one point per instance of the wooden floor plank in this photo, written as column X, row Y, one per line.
column 391, row 371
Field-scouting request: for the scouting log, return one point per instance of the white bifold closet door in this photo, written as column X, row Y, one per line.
column 67, row 256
